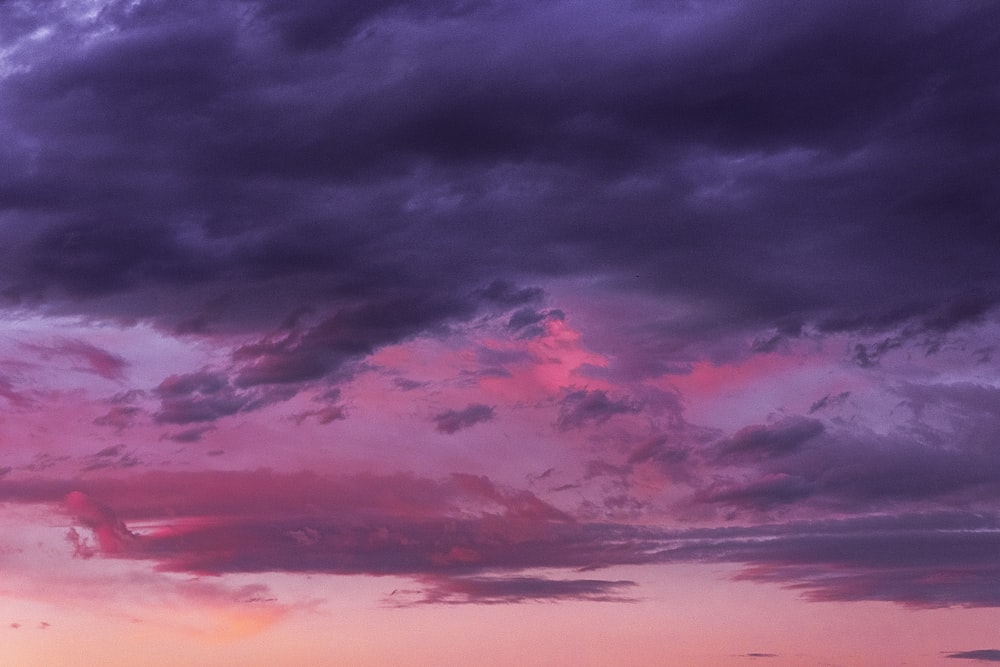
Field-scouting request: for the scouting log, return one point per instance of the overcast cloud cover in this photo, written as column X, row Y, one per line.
column 502, row 297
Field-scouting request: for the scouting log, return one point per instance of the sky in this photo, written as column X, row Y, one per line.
column 448, row 332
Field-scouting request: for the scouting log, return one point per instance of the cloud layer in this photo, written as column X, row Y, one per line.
column 506, row 299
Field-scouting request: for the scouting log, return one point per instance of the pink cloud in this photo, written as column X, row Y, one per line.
column 111, row 534
column 469, row 539
column 96, row 360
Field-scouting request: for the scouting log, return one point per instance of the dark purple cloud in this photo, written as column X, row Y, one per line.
column 452, row 421
column 309, row 353
column 861, row 473
column 407, row 384
column 763, row 493
column 205, row 396
column 119, row 417
column 326, row 415
column 758, row 442
column 197, row 397
column 117, row 456
column 511, row 589
column 942, row 456
column 190, row 434
column 524, row 317
column 984, row 655
column 583, row 406
column 503, row 293
column 829, row 401
column 528, row 322
column 262, row 157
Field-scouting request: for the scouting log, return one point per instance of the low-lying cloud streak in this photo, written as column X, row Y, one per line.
column 215, row 523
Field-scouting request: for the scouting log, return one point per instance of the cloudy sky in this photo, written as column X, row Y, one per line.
column 550, row 332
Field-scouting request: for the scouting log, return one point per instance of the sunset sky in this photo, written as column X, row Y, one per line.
column 575, row 333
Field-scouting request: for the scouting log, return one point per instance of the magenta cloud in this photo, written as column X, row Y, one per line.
column 466, row 539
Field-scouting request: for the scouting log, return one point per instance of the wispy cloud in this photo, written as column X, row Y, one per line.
column 452, row 421
column 983, row 655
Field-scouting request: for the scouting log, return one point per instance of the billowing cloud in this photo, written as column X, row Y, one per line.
column 197, row 218
column 111, row 534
